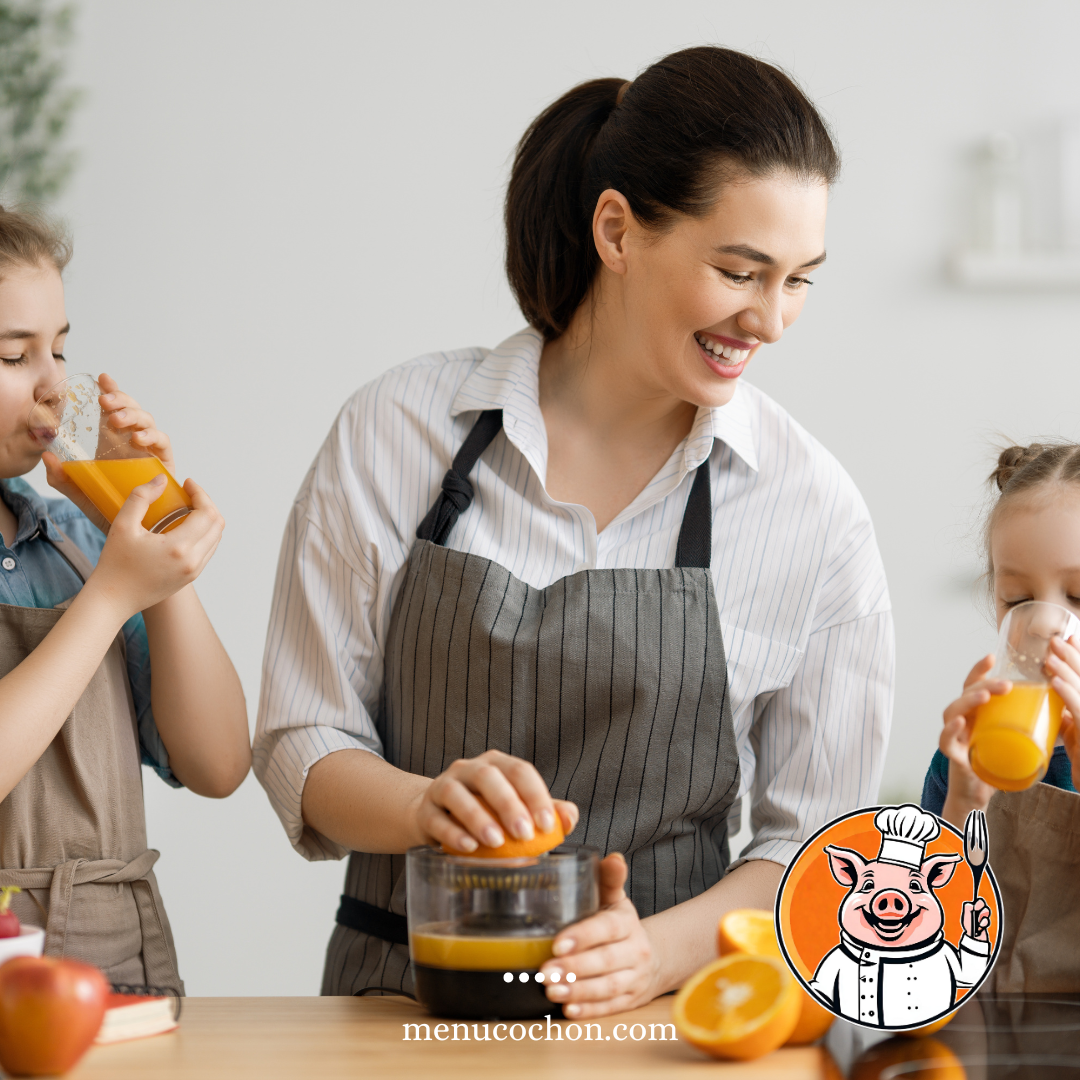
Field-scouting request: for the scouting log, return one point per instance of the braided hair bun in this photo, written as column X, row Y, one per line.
column 1012, row 460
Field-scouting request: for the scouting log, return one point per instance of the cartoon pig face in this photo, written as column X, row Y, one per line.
column 889, row 906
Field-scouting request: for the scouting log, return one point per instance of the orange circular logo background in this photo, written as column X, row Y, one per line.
column 809, row 899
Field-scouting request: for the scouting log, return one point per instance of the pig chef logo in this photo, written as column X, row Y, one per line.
column 883, row 919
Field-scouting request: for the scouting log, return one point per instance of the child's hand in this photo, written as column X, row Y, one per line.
column 138, row 569
column 966, row 791
column 123, row 416
column 1063, row 665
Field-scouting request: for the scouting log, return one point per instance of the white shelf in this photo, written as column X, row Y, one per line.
column 1019, row 270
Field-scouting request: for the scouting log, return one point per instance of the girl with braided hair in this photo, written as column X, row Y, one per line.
column 1032, row 542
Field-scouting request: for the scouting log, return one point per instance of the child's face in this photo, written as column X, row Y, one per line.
column 33, row 328
column 1035, row 550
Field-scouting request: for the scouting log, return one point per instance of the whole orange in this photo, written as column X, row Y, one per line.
column 50, row 1011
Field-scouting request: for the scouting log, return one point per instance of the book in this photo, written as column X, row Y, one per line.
column 134, row 1014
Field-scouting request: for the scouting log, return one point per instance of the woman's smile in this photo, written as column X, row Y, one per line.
column 725, row 356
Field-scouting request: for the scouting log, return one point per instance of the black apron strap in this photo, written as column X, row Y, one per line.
column 457, row 492
column 369, row 919
column 695, row 537
column 694, row 546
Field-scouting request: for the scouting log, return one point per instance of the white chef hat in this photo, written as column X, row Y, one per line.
column 905, row 832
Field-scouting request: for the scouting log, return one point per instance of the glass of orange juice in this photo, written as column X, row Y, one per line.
column 1014, row 734
column 99, row 460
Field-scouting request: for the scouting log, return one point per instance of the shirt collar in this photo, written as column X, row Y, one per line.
column 508, row 379
column 29, row 508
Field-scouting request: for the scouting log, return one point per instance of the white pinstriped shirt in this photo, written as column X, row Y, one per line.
column 800, row 587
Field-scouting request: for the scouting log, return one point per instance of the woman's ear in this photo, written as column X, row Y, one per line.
column 611, row 223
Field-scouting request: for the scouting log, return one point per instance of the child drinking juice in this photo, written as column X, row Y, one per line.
column 84, row 619
column 1033, row 550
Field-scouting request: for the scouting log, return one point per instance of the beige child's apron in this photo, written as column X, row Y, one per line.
column 73, row 830
column 1035, row 856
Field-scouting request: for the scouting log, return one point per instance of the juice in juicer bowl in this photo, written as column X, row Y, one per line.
column 479, row 929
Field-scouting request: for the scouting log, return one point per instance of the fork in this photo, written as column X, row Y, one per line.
column 976, row 846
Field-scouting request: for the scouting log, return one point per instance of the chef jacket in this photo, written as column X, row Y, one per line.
column 898, row 987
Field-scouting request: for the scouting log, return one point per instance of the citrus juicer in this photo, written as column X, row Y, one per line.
column 479, row 929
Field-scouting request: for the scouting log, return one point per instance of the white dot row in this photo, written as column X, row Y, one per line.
column 508, row 977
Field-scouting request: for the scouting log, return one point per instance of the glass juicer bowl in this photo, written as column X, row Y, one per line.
column 479, row 929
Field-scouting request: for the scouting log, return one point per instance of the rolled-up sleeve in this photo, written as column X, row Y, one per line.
column 819, row 742
column 321, row 672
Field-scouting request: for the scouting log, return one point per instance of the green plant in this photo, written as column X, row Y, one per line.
column 35, row 105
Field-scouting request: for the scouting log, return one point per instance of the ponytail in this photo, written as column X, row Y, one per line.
column 550, row 256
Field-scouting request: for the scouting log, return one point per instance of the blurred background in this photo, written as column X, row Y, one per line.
column 274, row 201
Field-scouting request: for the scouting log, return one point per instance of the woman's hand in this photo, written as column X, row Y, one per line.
column 966, row 791
column 123, row 416
column 448, row 812
column 138, row 569
column 606, row 963
column 1063, row 666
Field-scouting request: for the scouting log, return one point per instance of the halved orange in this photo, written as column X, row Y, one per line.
column 512, row 848
column 929, row 1029
column 753, row 931
column 739, row 1006
column 748, row 930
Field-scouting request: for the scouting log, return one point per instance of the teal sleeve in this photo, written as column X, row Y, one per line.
column 936, row 784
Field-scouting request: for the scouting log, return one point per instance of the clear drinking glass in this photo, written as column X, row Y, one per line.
column 479, row 929
column 99, row 460
column 1014, row 734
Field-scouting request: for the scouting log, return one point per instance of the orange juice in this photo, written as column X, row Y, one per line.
column 1014, row 735
column 481, row 975
column 107, row 483
column 444, row 950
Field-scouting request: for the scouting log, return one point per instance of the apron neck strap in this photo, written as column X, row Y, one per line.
column 694, row 547
column 457, row 493
column 695, row 537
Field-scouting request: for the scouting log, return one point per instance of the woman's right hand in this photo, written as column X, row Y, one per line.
column 137, row 568
column 966, row 791
column 448, row 811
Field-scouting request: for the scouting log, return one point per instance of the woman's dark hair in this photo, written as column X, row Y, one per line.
column 666, row 141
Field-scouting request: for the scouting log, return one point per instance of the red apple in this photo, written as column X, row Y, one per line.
column 50, row 1011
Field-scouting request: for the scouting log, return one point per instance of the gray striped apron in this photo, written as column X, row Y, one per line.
column 613, row 683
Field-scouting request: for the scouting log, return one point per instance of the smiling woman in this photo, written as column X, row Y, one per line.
column 641, row 589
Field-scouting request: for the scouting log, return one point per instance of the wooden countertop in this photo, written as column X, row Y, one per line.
column 330, row 1037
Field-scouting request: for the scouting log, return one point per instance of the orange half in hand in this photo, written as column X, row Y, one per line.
column 752, row 931
column 512, row 848
column 738, row 1007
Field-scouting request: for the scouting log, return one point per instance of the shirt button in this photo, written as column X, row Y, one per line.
column 8, row 563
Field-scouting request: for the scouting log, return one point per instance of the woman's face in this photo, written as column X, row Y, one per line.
column 701, row 298
column 1035, row 550
column 33, row 328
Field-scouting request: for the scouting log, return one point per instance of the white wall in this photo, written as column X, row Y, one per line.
column 277, row 201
